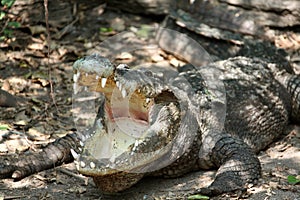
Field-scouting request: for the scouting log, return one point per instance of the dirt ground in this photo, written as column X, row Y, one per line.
column 40, row 75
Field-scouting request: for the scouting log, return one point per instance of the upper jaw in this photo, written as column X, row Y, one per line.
column 94, row 64
column 95, row 67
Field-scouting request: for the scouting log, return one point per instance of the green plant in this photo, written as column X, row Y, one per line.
column 7, row 3
column 293, row 179
column 7, row 30
column 197, row 196
column 4, row 127
column 105, row 30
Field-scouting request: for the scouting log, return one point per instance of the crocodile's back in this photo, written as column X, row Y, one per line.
column 258, row 106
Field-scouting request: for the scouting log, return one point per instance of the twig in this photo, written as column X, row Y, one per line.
column 65, row 171
column 48, row 53
column 66, row 29
column 13, row 197
column 4, row 26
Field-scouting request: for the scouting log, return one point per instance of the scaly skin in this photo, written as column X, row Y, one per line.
column 174, row 111
column 54, row 154
column 258, row 107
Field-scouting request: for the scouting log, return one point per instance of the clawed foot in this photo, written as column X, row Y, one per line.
column 54, row 154
column 225, row 182
column 12, row 168
column 215, row 191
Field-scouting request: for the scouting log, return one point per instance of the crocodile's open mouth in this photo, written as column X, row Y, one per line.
column 136, row 123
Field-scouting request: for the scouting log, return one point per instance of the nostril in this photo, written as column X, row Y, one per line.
column 122, row 69
column 148, row 73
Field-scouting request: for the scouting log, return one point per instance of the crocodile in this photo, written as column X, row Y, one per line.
column 177, row 108
column 170, row 122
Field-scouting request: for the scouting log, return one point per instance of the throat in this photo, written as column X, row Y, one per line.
column 133, row 108
column 131, row 127
column 118, row 138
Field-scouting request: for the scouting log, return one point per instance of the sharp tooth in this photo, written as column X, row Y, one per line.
column 77, row 165
column 82, row 164
column 76, row 77
column 86, row 74
column 83, row 138
column 97, row 77
column 74, row 154
column 117, row 84
column 136, row 143
column 92, row 165
column 86, row 88
column 120, row 87
column 124, row 93
column 81, row 143
column 103, row 82
column 75, row 88
column 133, row 149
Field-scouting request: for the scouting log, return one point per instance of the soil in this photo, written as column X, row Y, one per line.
column 39, row 73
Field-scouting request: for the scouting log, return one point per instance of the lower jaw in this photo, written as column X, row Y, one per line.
column 117, row 182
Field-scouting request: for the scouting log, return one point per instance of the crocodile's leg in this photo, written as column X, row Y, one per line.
column 253, row 120
column 54, row 154
column 237, row 165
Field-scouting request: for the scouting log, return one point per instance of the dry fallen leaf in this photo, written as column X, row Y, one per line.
column 38, row 133
column 124, row 56
column 37, row 29
column 36, row 46
column 3, row 148
column 17, row 145
column 157, row 58
column 118, row 24
column 21, row 119
column 77, row 189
